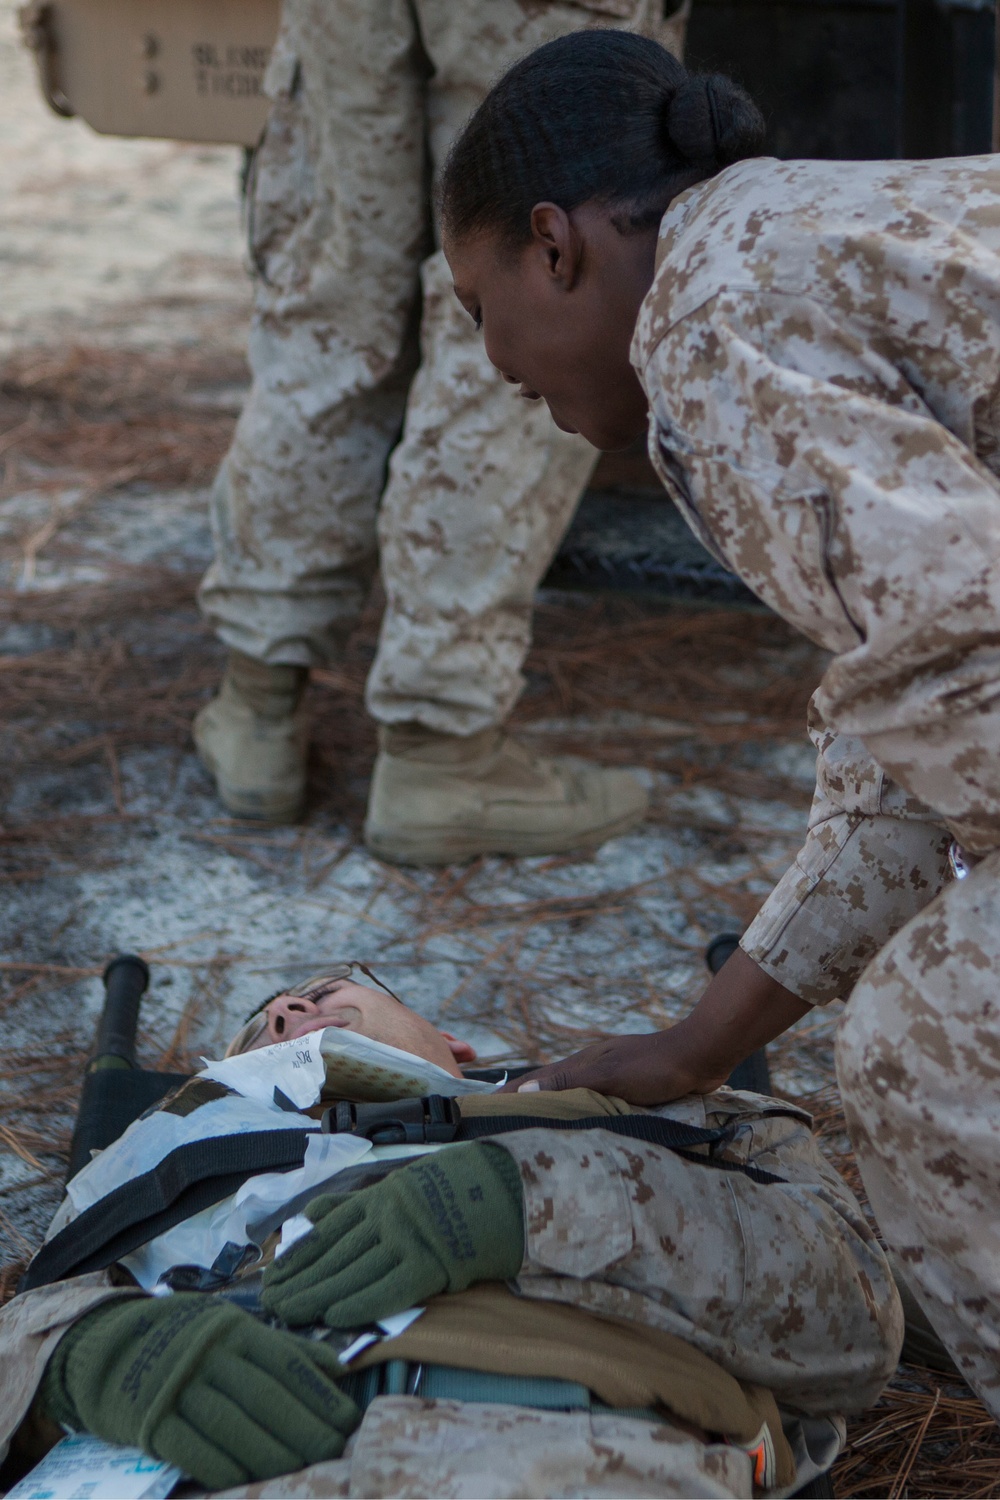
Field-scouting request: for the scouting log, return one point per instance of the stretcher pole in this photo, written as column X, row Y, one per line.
column 107, row 1093
column 126, row 980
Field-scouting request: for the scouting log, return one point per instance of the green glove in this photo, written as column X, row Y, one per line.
column 201, row 1384
column 437, row 1225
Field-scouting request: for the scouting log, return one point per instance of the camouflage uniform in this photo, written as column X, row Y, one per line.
column 782, row 1283
column 821, row 350
column 481, row 486
column 409, row 1447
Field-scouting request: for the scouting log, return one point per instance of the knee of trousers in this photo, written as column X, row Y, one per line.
column 923, row 1023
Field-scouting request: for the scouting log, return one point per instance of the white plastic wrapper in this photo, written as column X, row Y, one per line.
column 85, row 1468
column 359, row 1069
column 146, row 1142
column 332, row 1063
column 294, row 1229
column 198, row 1240
column 341, row 1065
column 295, row 1067
column 338, row 1064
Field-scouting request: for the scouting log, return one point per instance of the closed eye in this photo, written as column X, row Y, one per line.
column 322, row 989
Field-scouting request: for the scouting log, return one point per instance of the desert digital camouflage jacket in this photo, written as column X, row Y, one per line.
column 821, row 352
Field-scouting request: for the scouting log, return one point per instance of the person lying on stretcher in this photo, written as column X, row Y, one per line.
column 603, row 1315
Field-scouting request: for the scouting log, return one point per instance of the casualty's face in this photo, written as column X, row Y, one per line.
column 332, row 1001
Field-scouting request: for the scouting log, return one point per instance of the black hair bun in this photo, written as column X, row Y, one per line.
column 712, row 122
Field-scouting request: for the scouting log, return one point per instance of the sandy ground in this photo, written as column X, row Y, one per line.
column 136, row 242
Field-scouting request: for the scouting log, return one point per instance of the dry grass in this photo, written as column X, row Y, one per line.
column 926, row 1436
column 107, row 413
column 84, row 422
column 710, row 684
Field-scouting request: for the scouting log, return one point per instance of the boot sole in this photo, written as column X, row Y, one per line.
column 244, row 804
column 449, row 846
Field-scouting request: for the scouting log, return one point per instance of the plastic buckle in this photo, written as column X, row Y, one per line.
column 402, row 1122
column 231, row 1259
column 726, row 1136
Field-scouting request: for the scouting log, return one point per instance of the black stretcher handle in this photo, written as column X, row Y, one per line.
column 115, row 1090
column 720, row 950
column 125, row 981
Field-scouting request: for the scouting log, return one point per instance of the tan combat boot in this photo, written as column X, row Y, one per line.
column 439, row 798
column 252, row 739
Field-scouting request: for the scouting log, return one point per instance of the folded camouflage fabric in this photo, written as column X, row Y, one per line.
column 626, row 1365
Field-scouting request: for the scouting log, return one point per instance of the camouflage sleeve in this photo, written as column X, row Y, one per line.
column 812, row 463
column 31, row 1326
column 873, row 857
column 784, row 1283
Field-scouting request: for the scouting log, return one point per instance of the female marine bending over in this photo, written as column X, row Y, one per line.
column 815, row 348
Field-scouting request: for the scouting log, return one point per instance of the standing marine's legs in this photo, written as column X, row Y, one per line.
column 481, row 490
column 339, row 224
column 918, row 1059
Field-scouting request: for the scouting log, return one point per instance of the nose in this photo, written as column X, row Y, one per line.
column 285, row 1011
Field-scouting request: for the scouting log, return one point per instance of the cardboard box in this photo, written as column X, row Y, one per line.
column 187, row 70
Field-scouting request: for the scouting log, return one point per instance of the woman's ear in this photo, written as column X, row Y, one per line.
column 460, row 1051
column 556, row 235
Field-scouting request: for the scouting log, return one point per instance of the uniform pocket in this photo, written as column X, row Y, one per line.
column 281, row 79
column 846, row 774
column 280, row 186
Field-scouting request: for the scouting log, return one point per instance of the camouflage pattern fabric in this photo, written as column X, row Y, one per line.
column 409, row 1447
column 30, row 1328
column 782, row 1284
column 873, row 858
column 821, row 349
column 350, row 296
column 918, row 1056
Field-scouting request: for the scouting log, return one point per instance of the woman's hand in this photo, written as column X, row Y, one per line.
column 742, row 1009
column 644, row 1069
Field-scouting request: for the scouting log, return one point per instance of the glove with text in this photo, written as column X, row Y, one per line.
column 437, row 1225
column 200, row 1384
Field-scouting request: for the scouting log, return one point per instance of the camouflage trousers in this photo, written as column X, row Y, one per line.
column 369, row 379
column 406, row 1446
column 918, row 1058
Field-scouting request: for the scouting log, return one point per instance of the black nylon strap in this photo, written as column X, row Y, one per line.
column 204, row 1172
column 676, row 1136
column 191, row 1178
